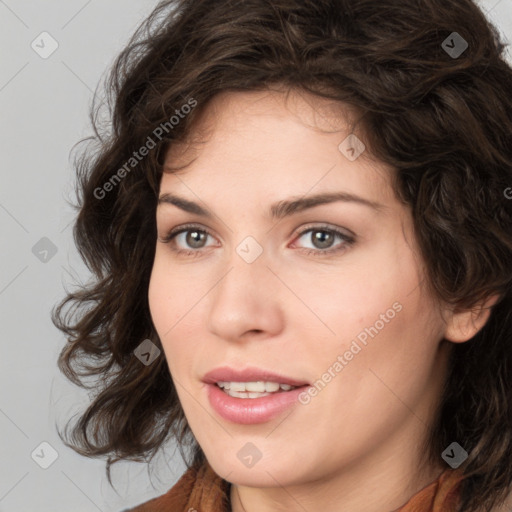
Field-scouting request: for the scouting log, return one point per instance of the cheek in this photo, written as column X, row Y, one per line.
column 376, row 383
column 163, row 305
column 157, row 298
column 171, row 303
column 387, row 360
column 350, row 297
column 374, row 309
column 168, row 293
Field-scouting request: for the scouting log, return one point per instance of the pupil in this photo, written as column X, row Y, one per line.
column 191, row 236
column 322, row 237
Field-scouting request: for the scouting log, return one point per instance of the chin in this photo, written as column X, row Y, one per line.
column 264, row 473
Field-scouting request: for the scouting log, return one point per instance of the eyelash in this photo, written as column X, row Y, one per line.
column 347, row 239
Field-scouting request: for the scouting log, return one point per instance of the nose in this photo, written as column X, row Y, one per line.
column 247, row 301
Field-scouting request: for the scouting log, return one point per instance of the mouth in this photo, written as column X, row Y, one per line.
column 251, row 396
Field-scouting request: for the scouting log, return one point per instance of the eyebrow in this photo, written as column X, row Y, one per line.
column 280, row 209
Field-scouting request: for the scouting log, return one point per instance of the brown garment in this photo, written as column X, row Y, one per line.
column 202, row 490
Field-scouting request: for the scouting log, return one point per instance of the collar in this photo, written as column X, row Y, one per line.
column 200, row 489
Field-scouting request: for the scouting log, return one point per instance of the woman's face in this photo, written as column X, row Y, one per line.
column 261, row 286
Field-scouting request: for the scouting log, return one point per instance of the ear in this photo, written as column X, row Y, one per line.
column 461, row 326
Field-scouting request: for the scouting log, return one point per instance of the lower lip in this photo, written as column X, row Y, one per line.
column 248, row 411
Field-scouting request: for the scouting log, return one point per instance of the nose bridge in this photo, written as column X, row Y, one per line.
column 247, row 271
column 245, row 298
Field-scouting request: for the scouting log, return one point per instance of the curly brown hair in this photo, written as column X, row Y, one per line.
column 443, row 121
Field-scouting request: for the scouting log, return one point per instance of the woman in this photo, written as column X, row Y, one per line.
column 368, row 370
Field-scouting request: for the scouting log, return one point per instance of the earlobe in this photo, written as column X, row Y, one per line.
column 463, row 325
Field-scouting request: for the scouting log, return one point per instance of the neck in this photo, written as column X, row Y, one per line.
column 381, row 490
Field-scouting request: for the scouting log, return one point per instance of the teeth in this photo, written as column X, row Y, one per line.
column 237, row 394
column 252, row 389
column 270, row 387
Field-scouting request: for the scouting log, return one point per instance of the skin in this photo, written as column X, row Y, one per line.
column 357, row 445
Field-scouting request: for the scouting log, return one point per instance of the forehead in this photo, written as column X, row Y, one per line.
column 242, row 111
column 276, row 139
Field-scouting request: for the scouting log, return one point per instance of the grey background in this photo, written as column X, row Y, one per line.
column 44, row 110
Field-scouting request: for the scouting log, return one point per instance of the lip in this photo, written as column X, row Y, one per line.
column 252, row 374
column 248, row 411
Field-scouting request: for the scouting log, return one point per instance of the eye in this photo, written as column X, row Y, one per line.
column 190, row 239
column 188, row 235
column 323, row 237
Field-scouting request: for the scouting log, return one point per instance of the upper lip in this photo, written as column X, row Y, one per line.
column 252, row 374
